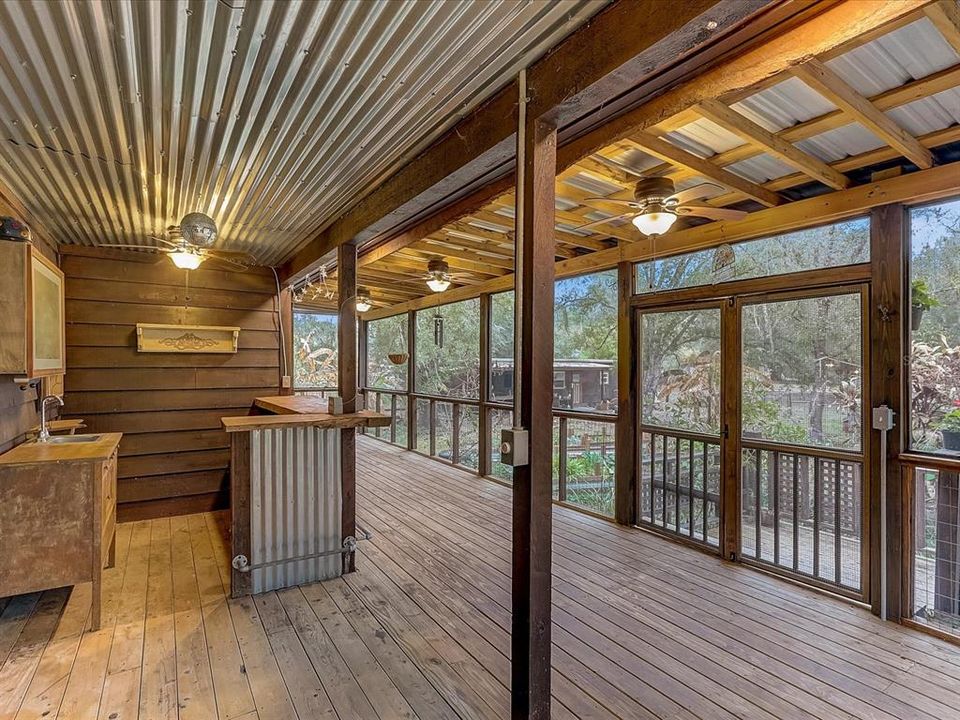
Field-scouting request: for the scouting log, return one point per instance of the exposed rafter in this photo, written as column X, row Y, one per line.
column 767, row 141
column 826, row 82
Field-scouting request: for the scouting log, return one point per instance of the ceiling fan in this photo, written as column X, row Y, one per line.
column 438, row 275
column 188, row 244
column 657, row 205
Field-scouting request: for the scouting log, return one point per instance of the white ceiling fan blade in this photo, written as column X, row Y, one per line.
column 713, row 213
column 165, row 241
column 605, row 221
column 148, row 248
column 697, row 192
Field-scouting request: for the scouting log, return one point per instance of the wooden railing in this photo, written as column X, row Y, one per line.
column 680, row 483
column 584, row 454
column 802, row 511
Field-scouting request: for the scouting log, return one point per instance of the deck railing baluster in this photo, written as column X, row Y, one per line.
column 676, row 485
column 796, row 512
column 690, row 488
column 704, row 485
column 836, row 521
column 776, row 505
column 816, row 517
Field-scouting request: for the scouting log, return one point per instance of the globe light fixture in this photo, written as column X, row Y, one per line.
column 656, row 220
column 438, row 275
column 186, row 259
column 364, row 302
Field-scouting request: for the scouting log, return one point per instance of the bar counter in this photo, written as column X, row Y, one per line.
column 286, row 492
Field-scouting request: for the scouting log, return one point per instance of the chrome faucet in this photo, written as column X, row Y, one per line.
column 44, row 432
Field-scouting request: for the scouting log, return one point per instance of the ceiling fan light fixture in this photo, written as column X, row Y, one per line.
column 438, row 283
column 654, row 221
column 364, row 302
column 438, row 275
column 186, row 259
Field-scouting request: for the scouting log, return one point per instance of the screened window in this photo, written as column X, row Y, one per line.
column 935, row 328
column 387, row 353
column 448, row 350
column 845, row 243
column 501, row 347
column 585, row 342
column 314, row 350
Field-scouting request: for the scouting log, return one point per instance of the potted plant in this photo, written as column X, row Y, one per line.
column 920, row 301
column 950, row 429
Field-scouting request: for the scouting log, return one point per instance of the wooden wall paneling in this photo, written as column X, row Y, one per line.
column 889, row 260
column 532, row 494
column 174, row 456
column 625, row 479
column 347, row 387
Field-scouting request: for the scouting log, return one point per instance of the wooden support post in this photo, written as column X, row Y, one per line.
column 411, row 369
column 286, row 348
column 532, row 505
column 483, row 462
column 626, row 453
column 888, row 258
column 347, row 389
column 730, row 375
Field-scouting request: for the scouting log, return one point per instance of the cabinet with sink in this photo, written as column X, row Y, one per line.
column 58, row 510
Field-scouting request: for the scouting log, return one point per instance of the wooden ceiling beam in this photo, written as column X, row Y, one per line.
column 945, row 16
column 916, row 188
column 826, row 82
column 753, row 133
column 659, row 148
column 620, row 46
column 835, row 27
column 881, row 154
column 887, row 100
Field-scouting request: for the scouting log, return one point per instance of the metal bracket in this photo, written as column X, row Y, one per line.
column 242, row 564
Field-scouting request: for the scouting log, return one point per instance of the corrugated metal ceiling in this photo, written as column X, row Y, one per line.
column 118, row 118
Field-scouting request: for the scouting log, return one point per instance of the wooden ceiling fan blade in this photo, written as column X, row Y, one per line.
column 168, row 243
column 697, row 192
column 604, row 221
column 708, row 211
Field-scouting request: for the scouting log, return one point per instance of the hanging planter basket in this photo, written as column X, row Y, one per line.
column 398, row 358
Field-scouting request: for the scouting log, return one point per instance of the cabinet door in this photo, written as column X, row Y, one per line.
column 47, row 327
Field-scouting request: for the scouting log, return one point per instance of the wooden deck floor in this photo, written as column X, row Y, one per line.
column 643, row 627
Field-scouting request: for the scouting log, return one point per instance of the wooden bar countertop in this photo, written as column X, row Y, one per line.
column 294, row 410
column 34, row 452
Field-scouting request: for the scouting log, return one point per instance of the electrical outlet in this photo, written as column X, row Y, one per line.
column 285, row 381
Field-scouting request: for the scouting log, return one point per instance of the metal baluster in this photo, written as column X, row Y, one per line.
column 759, row 457
column 690, row 488
column 653, row 489
column 676, row 485
column 393, row 418
column 704, row 483
column 663, row 476
column 562, row 460
column 796, row 512
column 836, row 520
column 776, row 507
column 455, row 431
column 816, row 517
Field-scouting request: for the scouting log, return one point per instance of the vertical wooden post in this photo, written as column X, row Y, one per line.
column 888, row 258
column 626, row 453
column 532, row 507
column 730, row 466
column 483, row 462
column 347, row 389
column 411, row 369
column 286, row 347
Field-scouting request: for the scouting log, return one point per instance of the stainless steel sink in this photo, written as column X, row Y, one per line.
column 66, row 439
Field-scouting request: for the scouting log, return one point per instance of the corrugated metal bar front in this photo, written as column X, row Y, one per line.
column 294, row 506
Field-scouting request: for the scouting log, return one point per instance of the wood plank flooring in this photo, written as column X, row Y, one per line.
column 644, row 628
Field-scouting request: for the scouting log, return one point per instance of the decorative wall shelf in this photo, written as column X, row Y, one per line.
column 154, row 338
